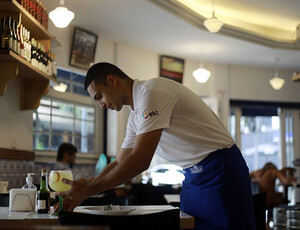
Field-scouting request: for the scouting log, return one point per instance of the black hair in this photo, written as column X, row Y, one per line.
column 65, row 148
column 99, row 72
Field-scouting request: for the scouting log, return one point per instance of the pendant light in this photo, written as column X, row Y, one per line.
column 61, row 16
column 201, row 74
column 277, row 82
column 213, row 24
column 62, row 87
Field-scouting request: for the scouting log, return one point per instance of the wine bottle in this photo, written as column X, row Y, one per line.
column 20, row 32
column 2, row 29
column 37, row 10
column 18, row 38
column 43, row 196
column 8, row 34
column 15, row 39
column 33, row 54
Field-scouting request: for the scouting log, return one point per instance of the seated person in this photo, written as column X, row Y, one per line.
column 266, row 178
column 66, row 155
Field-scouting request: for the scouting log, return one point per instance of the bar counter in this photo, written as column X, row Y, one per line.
column 24, row 220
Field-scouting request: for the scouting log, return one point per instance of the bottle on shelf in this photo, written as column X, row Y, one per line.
column 39, row 56
column 46, row 19
column 43, row 195
column 20, row 32
column 18, row 38
column 14, row 37
column 33, row 6
column 54, row 66
column 44, row 66
column 27, row 5
column 49, row 64
column 25, row 53
column 2, row 29
column 23, row 3
column 27, row 48
column 37, row 10
column 33, row 52
column 8, row 34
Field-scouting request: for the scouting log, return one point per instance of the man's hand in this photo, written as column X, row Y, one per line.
column 68, row 205
column 78, row 192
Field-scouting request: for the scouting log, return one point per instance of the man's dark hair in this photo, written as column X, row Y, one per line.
column 65, row 148
column 98, row 73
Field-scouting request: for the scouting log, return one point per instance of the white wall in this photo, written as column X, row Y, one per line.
column 227, row 81
column 252, row 83
column 16, row 126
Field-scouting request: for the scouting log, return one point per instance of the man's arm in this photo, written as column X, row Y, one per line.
column 129, row 164
column 122, row 153
column 285, row 180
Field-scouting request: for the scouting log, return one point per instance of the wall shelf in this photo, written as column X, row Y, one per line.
column 26, row 70
column 16, row 154
column 34, row 82
column 36, row 29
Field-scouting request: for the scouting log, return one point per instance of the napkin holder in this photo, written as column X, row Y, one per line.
column 22, row 200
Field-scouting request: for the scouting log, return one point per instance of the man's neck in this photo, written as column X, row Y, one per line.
column 128, row 84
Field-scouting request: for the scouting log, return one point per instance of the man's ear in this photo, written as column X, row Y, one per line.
column 111, row 80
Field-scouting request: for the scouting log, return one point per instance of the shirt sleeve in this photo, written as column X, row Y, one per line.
column 130, row 134
column 155, row 110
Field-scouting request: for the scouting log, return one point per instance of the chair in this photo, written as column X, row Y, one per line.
column 254, row 187
column 164, row 220
column 259, row 205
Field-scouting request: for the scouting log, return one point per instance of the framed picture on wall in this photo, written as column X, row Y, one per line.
column 83, row 48
column 171, row 67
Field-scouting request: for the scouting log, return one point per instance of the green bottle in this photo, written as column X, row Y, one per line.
column 8, row 34
column 3, row 35
column 43, row 197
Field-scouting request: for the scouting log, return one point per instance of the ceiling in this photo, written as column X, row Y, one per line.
column 170, row 28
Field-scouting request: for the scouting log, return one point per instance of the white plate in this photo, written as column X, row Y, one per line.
column 113, row 210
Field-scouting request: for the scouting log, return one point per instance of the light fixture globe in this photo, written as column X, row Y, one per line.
column 201, row 75
column 277, row 83
column 213, row 24
column 62, row 87
column 61, row 16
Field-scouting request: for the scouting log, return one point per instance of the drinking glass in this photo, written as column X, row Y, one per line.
column 55, row 182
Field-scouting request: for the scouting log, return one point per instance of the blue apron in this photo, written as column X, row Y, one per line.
column 217, row 192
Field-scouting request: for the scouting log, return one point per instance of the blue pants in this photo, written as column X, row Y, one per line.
column 217, row 192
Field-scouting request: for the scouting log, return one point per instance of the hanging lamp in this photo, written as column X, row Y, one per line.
column 61, row 16
column 213, row 24
column 201, row 74
column 277, row 82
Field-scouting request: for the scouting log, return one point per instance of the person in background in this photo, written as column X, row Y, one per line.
column 66, row 156
column 266, row 178
column 170, row 120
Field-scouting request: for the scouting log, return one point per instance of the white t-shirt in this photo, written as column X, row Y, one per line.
column 191, row 130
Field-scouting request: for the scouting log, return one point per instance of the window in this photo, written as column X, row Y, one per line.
column 57, row 121
column 73, row 80
column 264, row 132
column 66, row 117
column 260, row 140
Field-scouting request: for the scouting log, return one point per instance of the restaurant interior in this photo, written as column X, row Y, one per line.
column 249, row 52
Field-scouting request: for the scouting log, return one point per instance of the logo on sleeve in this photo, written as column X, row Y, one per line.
column 146, row 115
